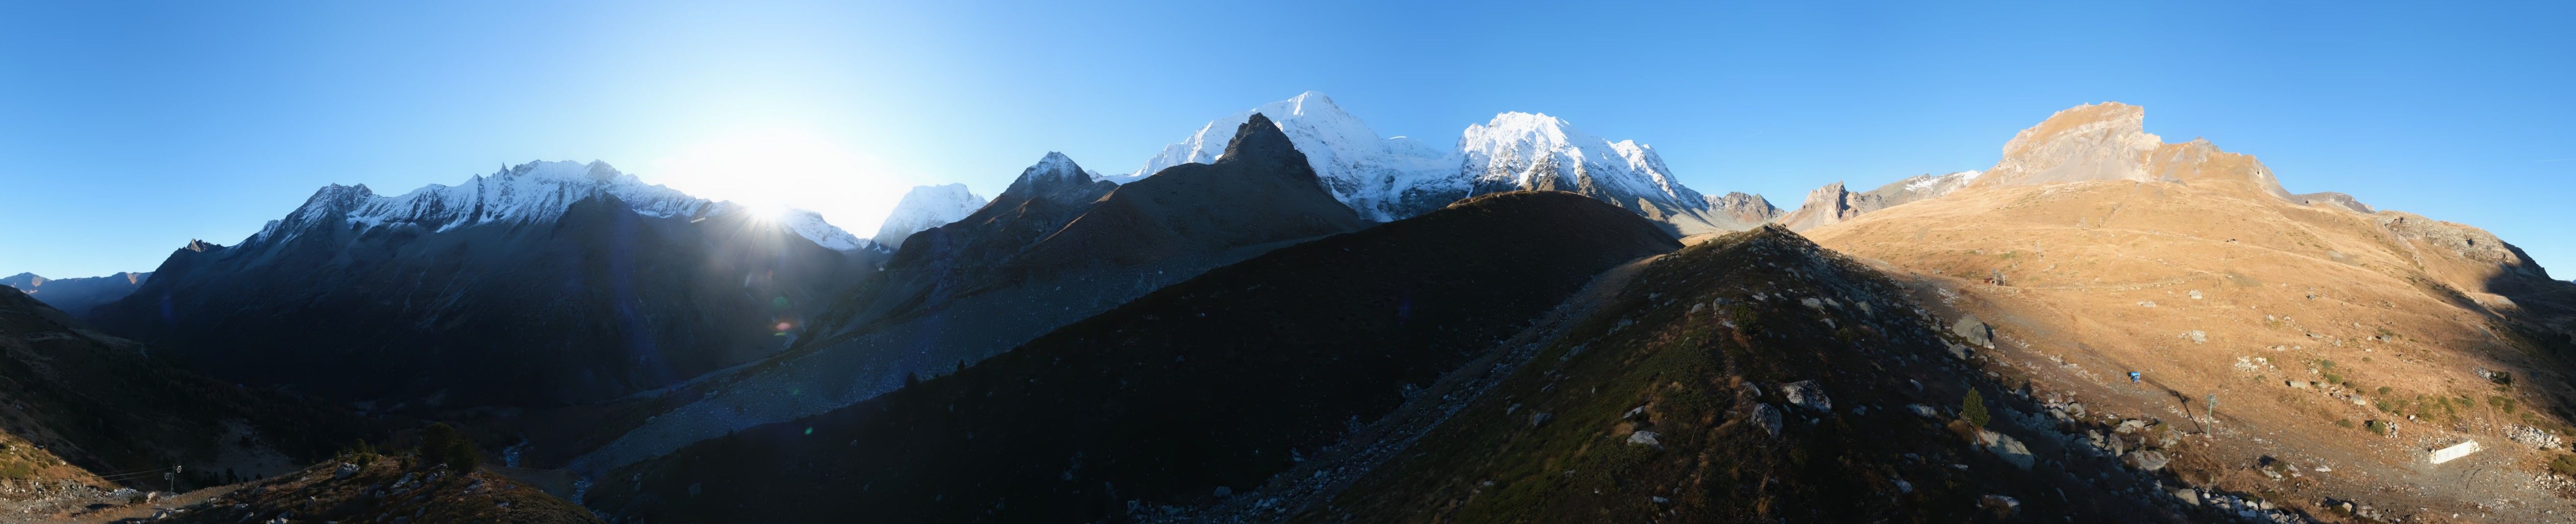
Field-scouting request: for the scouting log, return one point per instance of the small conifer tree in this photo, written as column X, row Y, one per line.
column 1973, row 409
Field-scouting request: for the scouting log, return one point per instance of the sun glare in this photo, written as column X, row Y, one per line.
column 771, row 171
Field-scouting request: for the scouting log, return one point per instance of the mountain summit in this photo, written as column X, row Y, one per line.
column 544, row 283
column 1390, row 178
column 1381, row 178
column 2108, row 141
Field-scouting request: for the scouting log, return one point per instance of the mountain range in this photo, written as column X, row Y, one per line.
column 76, row 295
column 1393, row 178
column 543, row 283
column 1287, row 317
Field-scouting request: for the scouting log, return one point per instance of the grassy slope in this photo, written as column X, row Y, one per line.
column 315, row 495
column 1218, row 381
column 102, row 405
column 1695, row 371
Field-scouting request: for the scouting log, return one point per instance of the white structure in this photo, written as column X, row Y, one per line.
column 2455, row 452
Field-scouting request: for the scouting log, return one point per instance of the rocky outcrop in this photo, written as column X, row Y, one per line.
column 2108, row 141
column 1743, row 208
column 2333, row 200
column 1832, row 204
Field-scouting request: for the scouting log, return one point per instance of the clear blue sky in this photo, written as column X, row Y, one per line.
column 127, row 129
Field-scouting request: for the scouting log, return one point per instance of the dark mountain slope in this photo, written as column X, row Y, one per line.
column 1750, row 378
column 1222, row 380
column 1056, row 221
column 77, row 295
column 595, row 303
column 1032, row 261
column 100, row 404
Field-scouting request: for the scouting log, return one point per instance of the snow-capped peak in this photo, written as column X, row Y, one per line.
column 1514, row 148
column 1371, row 174
column 927, row 207
column 533, row 192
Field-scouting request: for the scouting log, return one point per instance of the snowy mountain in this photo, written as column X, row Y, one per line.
column 926, row 207
column 1393, row 178
column 535, row 192
column 1517, row 151
column 1382, row 178
column 543, row 283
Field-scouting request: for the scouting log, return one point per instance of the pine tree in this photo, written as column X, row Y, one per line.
column 1973, row 409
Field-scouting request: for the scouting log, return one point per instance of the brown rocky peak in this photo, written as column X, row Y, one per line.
column 2108, row 141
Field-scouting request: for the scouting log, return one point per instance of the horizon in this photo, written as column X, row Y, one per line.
column 200, row 122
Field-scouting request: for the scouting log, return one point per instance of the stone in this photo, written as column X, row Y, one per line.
column 1923, row 411
column 1807, row 394
column 344, row 471
column 2005, row 447
column 1768, row 417
column 1539, row 419
column 2146, row 460
column 1223, row 492
column 1644, row 438
column 1976, row 332
column 2000, row 504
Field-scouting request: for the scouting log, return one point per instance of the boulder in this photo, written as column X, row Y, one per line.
column 1539, row 419
column 2000, row 504
column 1768, row 417
column 1923, row 411
column 1644, row 438
column 2005, row 447
column 1974, row 331
column 2146, row 460
column 344, row 471
column 1807, row 394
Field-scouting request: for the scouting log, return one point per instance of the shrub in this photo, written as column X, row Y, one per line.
column 2346, row 423
column 1973, row 409
column 2383, row 391
column 2377, row 427
column 2565, row 465
column 439, row 444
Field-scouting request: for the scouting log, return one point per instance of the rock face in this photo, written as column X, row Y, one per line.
column 1393, row 178
column 926, row 207
column 1832, row 204
column 1743, row 208
column 77, row 295
column 2108, row 141
column 543, row 283
column 2333, row 200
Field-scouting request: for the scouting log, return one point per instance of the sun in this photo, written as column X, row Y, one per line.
column 773, row 170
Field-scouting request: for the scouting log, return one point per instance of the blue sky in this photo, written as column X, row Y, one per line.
column 128, row 128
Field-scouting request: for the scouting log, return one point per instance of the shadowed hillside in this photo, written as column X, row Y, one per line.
column 1219, row 381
